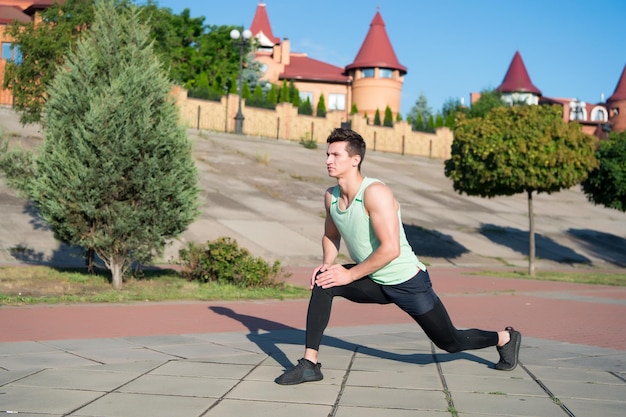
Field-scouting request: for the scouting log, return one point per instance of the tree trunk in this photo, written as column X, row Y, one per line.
column 531, row 235
column 90, row 259
column 117, row 271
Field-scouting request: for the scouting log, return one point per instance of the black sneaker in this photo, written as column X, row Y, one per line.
column 304, row 371
column 509, row 353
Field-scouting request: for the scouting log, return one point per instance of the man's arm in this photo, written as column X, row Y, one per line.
column 330, row 240
column 382, row 208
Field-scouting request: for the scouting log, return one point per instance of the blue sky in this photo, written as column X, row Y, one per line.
column 572, row 49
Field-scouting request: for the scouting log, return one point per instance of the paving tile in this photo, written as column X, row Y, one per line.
column 141, row 405
column 505, row 405
column 392, row 398
column 77, row 379
column 203, row 369
column 321, row 392
column 233, row 408
column 581, row 407
column 183, row 386
column 44, row 400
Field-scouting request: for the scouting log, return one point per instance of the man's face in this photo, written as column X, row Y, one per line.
column 338, row 161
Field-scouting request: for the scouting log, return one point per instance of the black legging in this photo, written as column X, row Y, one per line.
column 415, row 296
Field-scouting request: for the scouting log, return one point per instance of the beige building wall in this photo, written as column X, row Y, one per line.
column 285, row 123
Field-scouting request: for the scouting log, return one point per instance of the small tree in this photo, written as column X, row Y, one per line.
column 388, row 120
column 294, row 95
column 519, row 149
column 272, row 96
column 419, row 124
column 606, row 184
column 116, row 172
column 306, row 108
column 430, row 126
column 284, row 93
column 439, row 121
column 321, row 107
column 377, row 118
column 245, row 91
column 354, row 109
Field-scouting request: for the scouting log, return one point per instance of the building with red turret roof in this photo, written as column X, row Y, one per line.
column 371, row 82
column 616, row 105
column 516, row 86
column 595, row 118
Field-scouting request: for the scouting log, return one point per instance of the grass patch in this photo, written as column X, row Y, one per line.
column 583, row 277
column 41, row 284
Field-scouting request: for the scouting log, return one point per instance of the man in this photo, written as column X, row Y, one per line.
column 364, row 212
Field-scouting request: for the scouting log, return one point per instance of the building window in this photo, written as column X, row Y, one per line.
column 386, row 73
column 336, row 102
column 577, row 110
column 598, row 114
column 614, row 111
column 11, row 54
column 306, row 95
column 368, row 72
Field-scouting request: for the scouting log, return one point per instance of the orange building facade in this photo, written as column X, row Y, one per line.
column 24, row 11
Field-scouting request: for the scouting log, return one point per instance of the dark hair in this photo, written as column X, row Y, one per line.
column 356, row 144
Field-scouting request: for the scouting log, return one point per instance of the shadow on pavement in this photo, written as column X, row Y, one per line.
column 517, row 240
column 275, row 333
column 432, row 244
column 605, row 246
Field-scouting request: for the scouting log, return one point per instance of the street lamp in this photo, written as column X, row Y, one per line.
column 241, row 40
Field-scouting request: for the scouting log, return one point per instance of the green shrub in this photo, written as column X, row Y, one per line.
column 223, row 261
column 308, row 143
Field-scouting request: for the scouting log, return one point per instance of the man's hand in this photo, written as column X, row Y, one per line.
column 328, row 276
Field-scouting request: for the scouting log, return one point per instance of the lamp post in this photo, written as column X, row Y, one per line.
column 241, row 40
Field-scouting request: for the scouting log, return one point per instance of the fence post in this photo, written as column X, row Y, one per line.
column 430, row 149
column 277, row 128
column 403, row 144
column 198, row 125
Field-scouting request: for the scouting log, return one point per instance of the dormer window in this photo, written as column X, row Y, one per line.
column 385, row 73
column 367, row 72
column 598, row 114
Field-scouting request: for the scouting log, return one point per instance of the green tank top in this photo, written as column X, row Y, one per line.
column 356, row 230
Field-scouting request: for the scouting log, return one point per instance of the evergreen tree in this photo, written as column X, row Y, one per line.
column 419, row 123
column 388, row 120
column 377, row 118
column 245, row 91
column 284, row 93
column 439, row 121
column 294, row 95
column 430, row 126
column 272, row 96
column 115, row 173
column 354, row 109
column 321, row 107
column 257, row 99
column 306, row 108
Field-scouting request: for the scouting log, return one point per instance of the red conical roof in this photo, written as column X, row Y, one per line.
column 261, row 25
column 516, row 79
column 376, row 50
column 620, row 90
